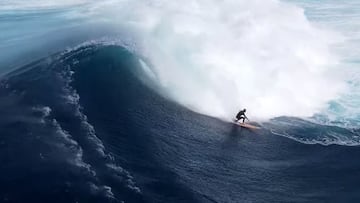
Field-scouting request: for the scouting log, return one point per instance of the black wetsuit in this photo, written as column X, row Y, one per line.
column 241, row 115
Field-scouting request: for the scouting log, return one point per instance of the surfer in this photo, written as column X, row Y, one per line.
column 241, row 115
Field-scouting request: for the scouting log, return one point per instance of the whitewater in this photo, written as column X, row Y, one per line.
column 212, row 57
column 273, row 57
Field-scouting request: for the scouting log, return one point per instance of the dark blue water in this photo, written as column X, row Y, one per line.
column 86, row 126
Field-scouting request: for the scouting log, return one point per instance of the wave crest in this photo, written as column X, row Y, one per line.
column 216, row 57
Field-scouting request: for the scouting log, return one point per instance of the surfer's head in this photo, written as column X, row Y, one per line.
column 244, row 110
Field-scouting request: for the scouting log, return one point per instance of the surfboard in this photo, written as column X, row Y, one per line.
column 248, row 126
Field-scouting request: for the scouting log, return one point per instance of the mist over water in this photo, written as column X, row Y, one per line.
column 217, row 57
column 344, row 18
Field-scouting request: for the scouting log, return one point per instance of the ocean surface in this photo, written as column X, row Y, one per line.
column 133, row 101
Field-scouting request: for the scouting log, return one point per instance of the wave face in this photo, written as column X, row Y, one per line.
column 125, row 101
column 86, row 126
column 47, row 136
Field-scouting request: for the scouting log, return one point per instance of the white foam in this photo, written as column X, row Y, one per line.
column 45, row 111
column 72, row 98
column 121, row 173
column 69, row 144
column 218, row 56
column 326, row 140
column 103, row 190
column 309, row 132
column 345, row 18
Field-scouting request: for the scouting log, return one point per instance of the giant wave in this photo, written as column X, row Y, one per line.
column 90, row 126
column 130, row 101
column 216, row 57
